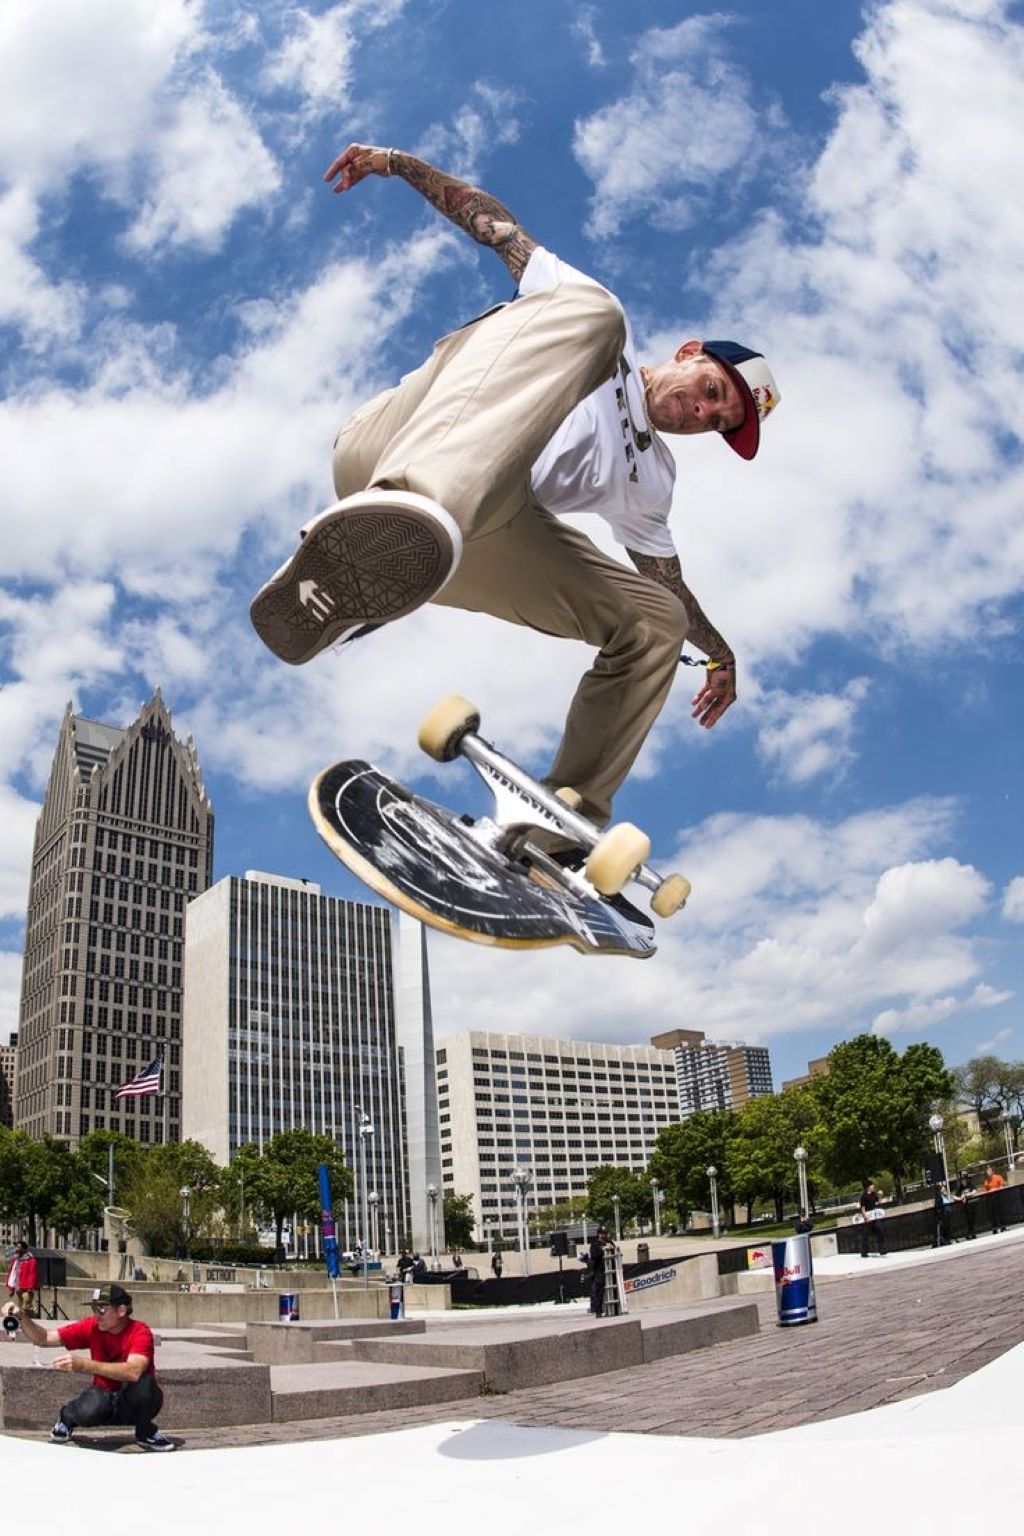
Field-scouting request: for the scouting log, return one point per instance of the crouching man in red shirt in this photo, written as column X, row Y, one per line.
column 124, row 1388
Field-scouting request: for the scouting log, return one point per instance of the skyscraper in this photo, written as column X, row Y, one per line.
column 303, row 1010
column 8, row 1076
column 123, row 842
column 713, row 1075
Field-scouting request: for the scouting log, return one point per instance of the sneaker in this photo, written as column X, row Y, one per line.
column 157, row 1441
column 60, row 1434
column 368, row 559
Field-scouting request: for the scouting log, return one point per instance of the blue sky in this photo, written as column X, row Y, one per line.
column 188, row 316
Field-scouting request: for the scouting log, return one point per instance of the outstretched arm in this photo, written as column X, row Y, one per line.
column 719, row 691
column 481, row 216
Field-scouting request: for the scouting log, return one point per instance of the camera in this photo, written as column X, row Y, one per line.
column 10, row 1323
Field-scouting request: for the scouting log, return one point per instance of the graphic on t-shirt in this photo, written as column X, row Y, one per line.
column 634, row 441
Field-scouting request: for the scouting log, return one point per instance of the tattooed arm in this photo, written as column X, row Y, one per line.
column 719, row 691
column 481, row 216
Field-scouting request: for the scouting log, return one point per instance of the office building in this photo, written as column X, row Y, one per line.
column 819, row 1067
column 8, row 1071
column 304, row 1010
column 558, row 1108
column 123, row 842
column 713, row 1075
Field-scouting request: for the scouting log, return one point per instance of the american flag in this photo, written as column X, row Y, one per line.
column 146, row 1081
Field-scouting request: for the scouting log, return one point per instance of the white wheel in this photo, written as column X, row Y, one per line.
column 671, row 894
column 570, row 797
column 615, row 856
column 442, row 730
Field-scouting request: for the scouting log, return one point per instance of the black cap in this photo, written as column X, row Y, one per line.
column 111, row 1296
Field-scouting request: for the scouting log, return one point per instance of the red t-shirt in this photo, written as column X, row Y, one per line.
column 133, row 1339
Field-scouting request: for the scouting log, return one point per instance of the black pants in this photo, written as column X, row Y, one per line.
column 137, row 1403
column 597, row 1294
column 872, row 1229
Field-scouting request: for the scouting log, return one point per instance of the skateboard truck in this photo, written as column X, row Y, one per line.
column 616, row 855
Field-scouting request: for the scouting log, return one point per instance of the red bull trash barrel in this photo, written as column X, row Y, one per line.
column 288, row 1308
column 794, row 1281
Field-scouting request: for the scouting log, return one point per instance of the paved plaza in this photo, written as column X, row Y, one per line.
column 863, row 1418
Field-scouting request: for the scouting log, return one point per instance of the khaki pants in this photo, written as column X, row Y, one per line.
column 465, row 429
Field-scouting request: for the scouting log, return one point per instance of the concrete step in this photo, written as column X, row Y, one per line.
column 334, row 1391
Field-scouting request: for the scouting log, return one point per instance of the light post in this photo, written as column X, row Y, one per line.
column 800, row 1156
column 186, row 1215
column 521, row 1179
column 432, row 1193
column 1007, row 1123
column 374, row 1200
column 935, row 1125
column 364, row 1132
column 713, row 1177
column 656, row 1195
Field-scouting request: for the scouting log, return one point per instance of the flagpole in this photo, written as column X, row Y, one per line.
column 163, row 1083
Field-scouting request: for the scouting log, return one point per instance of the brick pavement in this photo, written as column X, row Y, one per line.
column 882, row 1337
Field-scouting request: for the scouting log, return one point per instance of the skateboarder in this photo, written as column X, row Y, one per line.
column 452, row 482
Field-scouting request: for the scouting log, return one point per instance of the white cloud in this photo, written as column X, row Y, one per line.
column 583, row 27
column 921, row 1016
column 992, row 1047
column 10, row 992
column 316, row 56
column 1013, row 900
column 485, row 120
column 810, row 734
column 771, row 942
column 689, row 124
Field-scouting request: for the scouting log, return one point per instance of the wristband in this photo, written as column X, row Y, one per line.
column 721, row 666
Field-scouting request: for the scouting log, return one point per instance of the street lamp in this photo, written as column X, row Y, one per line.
column 1007, row 1123
column 364, row 1132
column 801, row 1172
column 935, row 1126
column 616, row 1203
column 713, row 1177
column 186, row 1214
column 374, row 1200
column 656, row 1195
column 432, row 1193
column 521, row 1179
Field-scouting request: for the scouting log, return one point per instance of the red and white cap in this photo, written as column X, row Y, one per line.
column 757, row 389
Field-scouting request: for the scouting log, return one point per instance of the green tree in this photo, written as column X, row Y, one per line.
column 554, row 1218
column 458, row 1220
column 283, row 1180
column 93, row 1153
column 633, row 1190
column 682, row 1155
column 766, row 1132
column 874, row 1106
column 14, row 1202
column 164, row 1219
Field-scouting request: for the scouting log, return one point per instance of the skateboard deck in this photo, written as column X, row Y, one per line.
column 430, row 862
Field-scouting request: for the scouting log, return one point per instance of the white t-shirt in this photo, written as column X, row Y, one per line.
column 604, row 458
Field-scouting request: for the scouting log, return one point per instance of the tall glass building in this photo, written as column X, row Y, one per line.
column 304, row 1010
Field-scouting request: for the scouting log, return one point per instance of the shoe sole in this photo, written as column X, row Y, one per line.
column 368, row 560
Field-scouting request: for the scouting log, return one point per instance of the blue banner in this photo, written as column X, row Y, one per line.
column 328, row 1232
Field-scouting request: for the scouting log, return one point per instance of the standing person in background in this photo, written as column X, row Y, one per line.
column 961, row 1192
column 873, row 1220
column 497, row 1265
column 23, row 1278
column 599, row 1246
column 993, row 1185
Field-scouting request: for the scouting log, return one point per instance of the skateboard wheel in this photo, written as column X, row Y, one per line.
column 570, row 797
column 445, row 726
column 671, row 894
column 615, row 856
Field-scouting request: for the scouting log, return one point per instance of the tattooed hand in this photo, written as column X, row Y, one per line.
column 711, row 702
column 480, row 215
column 354, row 164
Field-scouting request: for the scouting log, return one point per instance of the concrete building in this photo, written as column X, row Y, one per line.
column 8, row 1074
column 559, row 1108
column 123, row 842
column 819, row 1067
column 712, row 1075
column 302, row 1010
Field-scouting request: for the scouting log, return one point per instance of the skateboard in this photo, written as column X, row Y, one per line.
column 483, row 879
